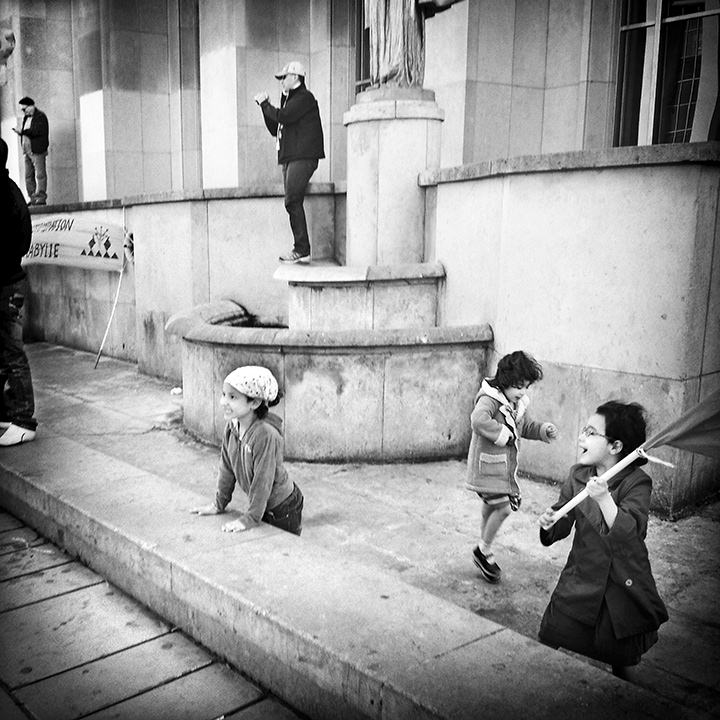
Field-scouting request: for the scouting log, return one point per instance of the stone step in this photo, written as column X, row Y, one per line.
column 366, row 297
column 332, row 637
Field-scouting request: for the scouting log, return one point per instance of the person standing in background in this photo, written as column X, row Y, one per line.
column 34, row 134
column 17, row 405
column 296, row 125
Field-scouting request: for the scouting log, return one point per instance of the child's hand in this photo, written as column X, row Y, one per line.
column 597, row 489
column 210, row 509
column 235, row 526
column 546, row 520
column 551, row 431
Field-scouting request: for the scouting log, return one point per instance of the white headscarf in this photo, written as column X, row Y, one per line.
column 254, row 382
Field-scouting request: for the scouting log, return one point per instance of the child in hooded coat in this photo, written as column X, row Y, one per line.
column 498, row 420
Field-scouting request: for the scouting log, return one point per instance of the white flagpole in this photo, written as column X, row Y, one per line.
column 614, row 470
column 128, row 251
column 112, row 312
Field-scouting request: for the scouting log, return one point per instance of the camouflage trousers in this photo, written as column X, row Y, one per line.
column 17, row 402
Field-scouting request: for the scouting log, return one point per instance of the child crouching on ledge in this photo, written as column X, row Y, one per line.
column 252, row 455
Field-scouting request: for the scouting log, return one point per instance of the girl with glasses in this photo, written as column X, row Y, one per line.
column 605, row 605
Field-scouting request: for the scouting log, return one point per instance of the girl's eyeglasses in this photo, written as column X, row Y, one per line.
column 588, row 431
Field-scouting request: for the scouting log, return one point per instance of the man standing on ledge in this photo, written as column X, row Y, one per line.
column 34, row 134
column 297, row 127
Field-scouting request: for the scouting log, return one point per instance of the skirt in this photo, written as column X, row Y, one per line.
column 594, row 641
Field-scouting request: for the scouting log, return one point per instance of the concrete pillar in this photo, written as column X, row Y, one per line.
column 392, row 134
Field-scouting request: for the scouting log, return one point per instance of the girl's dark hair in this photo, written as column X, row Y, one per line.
column 515, row 369
column 625, row 422
column 262, row 409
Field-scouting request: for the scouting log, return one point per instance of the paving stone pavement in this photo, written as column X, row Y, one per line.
column 73, row 646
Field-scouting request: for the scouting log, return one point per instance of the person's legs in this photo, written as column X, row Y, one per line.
column 39, row 161
column 494, row 511
column 4, row 417
column 296, row 176
column 493, row 517
column 13, row 361
column 288, row 514
column 30, row 185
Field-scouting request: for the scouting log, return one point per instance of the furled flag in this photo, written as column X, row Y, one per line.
column 698, row 430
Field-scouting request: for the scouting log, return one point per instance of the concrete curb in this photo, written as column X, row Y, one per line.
column 331, row 637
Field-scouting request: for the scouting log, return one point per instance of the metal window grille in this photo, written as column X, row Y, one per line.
column 362, row 48
column 678, row 99
column 660, row 69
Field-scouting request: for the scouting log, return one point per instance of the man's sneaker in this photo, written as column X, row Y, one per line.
column 295, row 257
column 15, row 435
column 488, row 567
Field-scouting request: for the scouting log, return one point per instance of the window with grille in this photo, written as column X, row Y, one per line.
column 668, row 72
column 361, row 35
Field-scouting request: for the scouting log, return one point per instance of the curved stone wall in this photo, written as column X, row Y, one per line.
column 349, row 395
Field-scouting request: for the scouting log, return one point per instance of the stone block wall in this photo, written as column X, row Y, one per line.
column 42, row 67
column 190, row 248
column 72, row 306
column 605, row 267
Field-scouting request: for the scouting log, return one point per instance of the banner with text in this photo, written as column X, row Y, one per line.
column 77, row 241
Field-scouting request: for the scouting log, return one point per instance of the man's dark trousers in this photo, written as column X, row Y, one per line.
column 296, row 176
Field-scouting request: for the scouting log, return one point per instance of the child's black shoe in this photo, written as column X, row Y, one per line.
column 490, row 570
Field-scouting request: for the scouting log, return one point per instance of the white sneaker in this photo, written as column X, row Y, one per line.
column 15, row 435
column 295, row 257
column 4, row 425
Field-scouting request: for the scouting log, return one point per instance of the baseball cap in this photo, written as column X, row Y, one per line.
column 292, row 68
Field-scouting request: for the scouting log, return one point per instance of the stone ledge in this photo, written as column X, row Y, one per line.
column 348, row 274
column 202, row 325
column 700, row 153
column 384, row 110
column 261, row 190
column 331, row 637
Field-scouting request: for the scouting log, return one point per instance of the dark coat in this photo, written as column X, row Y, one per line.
column 298, row 122
column 16, row 233
column 38, row 132
column 608, row 564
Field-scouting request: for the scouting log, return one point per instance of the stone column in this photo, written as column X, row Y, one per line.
column 393, row 134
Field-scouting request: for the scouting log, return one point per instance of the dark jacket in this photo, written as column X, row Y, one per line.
column 608, row 564
column 16, row 231
column 255, row 462
column 38, row 132
column 297, row 122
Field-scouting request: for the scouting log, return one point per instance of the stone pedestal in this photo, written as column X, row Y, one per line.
column 393, row 135
column 357, row 297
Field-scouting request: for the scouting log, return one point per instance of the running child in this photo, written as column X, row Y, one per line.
column 252, row 455
column 605, row 604
column 498, row 421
